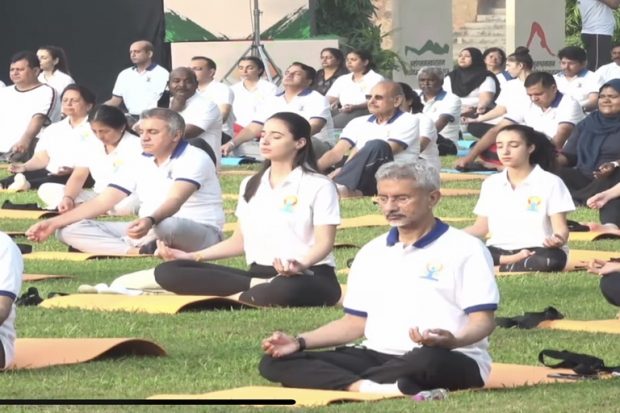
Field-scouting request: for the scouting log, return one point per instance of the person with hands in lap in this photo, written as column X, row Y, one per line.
column 287, row 214
column 176, row 185
column 610, row 279
column 425, row 314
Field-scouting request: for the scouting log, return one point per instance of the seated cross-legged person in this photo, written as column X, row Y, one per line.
column 117, row 145
column 176, row 185
column 11, row 269
column 423, row 295
column 610, row 280
column 57, row 150
column 524, row 208
column 387, row 134
column 287, row 214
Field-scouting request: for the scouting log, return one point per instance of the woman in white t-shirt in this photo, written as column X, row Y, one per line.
column 250, row 92
column 113, row 144
column 288, row 213
column 524, row 207
column 54, row 67
column 56, row 152
column 348, row 93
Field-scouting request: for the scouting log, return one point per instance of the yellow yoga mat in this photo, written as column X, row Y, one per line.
column 593, row 235
column 42, row 277
column 578, row 259
column 502, row 376
column 35, row 353
column 592, row 326
column 458, row 191
column 20, row 214
column 75, row 256
column 236, row 172
column 152, row 304
column 450, row 176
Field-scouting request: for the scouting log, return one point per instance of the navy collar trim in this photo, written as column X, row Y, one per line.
column 583, row 72
column 304, row 92
column 438, row 230
column 373, row 118
column 149, row 67
column 556, row 101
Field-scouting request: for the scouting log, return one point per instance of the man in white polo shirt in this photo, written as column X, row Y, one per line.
column 11, row 269
column 611, row 70
column 425, row 308
column 576, row 80
column 27, row 106
column 179, row 194
column 140, row 86
column 386, row 134
column 297, row 97
column 203, row 120
column 548, row 111
column 216, row 91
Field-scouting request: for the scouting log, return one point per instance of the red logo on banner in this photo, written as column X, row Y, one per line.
column 538, row 31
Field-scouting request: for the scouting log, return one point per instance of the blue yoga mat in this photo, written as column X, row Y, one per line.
column 237, row 160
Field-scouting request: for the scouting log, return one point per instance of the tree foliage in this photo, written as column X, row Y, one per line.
column 573, row 25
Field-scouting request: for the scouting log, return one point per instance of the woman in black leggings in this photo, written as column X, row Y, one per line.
column 287, row 216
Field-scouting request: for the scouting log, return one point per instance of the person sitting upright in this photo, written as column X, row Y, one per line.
column 575, row 79
column 178, row 190
column 524, row 208
column 425, row 308
column 610, row 70
column 387, row 134
column 11, row 269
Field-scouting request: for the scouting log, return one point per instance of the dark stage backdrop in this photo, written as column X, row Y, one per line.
column 96, row 35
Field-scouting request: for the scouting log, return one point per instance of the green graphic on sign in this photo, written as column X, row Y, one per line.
column 429, row 46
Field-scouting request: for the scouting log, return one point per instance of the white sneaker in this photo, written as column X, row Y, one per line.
column 19, row 183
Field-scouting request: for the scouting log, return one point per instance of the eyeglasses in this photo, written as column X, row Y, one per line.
column 400, row 200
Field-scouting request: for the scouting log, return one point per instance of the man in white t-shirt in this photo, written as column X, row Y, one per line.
column 203, row 120
column 425, row 308
column 178, row 189
column 297, row 97
column 218, row 92
column 27, row 106
column 548, row 111
column 576, row 80
column 597, row 28
column 611, row 70
column 386, row 134
column 140, row 86
column 11, row 269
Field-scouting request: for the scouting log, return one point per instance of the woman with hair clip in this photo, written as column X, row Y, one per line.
column 332, row 67
column 519, row 65
column 524, row 208
column 287, row 215
column 99, row 159
column 57, row 150
column 54, row 67
column 472, row 82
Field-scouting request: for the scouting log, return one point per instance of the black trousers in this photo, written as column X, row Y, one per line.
column 420, row 369
column 193, row 278
column 610, row 287
column 38, row 178
column 478, row 129
column 359, row 172
column 598, row 49
column 544, row 259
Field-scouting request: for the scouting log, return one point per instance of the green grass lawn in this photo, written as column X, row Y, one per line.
column 214, row 350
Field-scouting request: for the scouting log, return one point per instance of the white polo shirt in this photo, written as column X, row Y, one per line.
column 580, row 86
column 141, row 91
column 104, row 166
column 62, row 142
column 596, row 17
column 152, row 184
column 18, row 108
column 487, row 85
column 308, row 103
column 59, row 80
column 427, row 129
column 11, row 270
column 445, row 104
column 608, row 72
column 434, row 283
column 205, row 114
column 247, row 102
column 279, row 222
column 520, row 217
column 220, row 94
column 563, row 109
column 402, row 127
column 350, row 92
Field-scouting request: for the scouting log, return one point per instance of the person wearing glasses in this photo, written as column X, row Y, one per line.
column 425, row 313
column 386, row 134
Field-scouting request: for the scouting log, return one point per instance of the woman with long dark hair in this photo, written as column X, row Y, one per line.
column 332, row 67
column 54, row 67
column 287, row 215
column 524, row 208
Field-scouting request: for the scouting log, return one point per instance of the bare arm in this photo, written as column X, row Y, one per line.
column 192, row 131
column 424, row 141
column 396, row 147
column 225, row 109
column 441, row 122
column 334, row 155
column 324, row 238
column 560, row 231
column 484, row 143
column 480, row 228
column 32, row 130
column 114, row 101
column 614, row 4
column 5, row 308
column 485, row 101
column 562, row 134
column 38, row 161
column 496, row 112
column 480, row 324
column 316, row 124
column 591, row 102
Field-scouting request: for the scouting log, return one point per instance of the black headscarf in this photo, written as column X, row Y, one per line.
column 464, row 80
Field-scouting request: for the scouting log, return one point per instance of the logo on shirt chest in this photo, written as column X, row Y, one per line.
column 288, row 203
column 432, row 271
column 533, row 203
